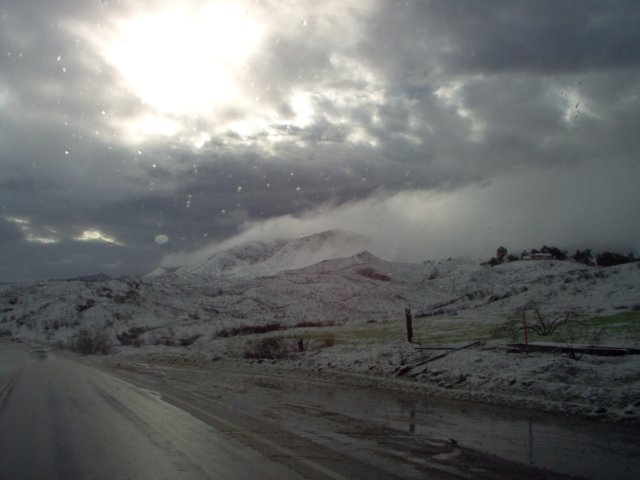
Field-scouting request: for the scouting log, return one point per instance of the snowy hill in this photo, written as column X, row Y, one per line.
column 324, row 278
column 259, row 258
column 328, row 286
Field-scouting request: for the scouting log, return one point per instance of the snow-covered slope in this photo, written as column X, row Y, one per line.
column 330, row 280
column 323, row 278
column 259, row 258
column 235, row 261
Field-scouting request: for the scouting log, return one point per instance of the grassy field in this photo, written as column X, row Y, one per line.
column 431, row 331
column 621, row 328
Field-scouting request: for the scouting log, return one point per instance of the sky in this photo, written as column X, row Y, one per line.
column 140, row 134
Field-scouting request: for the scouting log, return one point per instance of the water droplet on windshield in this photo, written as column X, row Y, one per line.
column 161, row 239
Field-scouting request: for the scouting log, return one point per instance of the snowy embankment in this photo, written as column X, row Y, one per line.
column 277, row 306
column 605, row 388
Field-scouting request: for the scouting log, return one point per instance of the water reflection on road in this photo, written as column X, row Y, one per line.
column 403, row 433
column 570, row 446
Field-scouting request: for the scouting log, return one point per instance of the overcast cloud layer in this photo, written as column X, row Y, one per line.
column 137, row 136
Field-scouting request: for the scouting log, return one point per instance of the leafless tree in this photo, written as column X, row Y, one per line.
column 544, row 323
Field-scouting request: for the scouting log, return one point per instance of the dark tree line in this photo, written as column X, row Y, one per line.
column 607, row 259
column 604, row 259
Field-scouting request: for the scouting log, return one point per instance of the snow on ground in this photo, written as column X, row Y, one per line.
column 346, row 313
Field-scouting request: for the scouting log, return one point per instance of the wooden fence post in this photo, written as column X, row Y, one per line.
column 526, row 332
column 407, row 314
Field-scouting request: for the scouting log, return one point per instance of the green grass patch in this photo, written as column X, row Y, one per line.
column 619, row 328
column 437, row 331
column 429, row 331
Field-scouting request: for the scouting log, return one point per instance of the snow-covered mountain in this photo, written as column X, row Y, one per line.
column 260, row 258
column 327, row 288
column 323, row 278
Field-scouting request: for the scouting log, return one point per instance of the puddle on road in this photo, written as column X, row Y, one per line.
column 568, row 446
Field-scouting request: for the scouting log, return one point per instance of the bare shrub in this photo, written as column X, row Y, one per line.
column 536, row 320
column 131, row 337
column 188, row 340
column 131, row 296
column 250, row 329
column 307, row 324
column 171, row 340
column 268, row 348
column 91, row 342
column 81, row 307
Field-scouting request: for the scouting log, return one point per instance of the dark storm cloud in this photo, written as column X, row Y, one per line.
column 69, row 259
column 347, row 112
column 542, row 37
column 9, row 232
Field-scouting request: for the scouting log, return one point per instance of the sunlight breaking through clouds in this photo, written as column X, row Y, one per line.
column 44, row 235
column 184, row 60
column 94, row 235
column 201, row 72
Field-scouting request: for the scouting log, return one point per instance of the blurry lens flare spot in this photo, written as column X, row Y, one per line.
column 161, row 239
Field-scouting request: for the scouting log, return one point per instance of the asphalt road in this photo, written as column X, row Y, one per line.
column 67, row 421
column 61, row 418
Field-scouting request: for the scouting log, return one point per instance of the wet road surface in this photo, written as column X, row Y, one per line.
column 410, row 434
column 61, row 418
column 66, row 421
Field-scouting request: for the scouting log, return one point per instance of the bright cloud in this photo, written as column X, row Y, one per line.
column 184, row 60
column 93, row 235
column 200, row 67
column 43, row 235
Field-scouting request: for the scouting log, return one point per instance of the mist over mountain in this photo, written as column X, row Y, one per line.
column 266, row 258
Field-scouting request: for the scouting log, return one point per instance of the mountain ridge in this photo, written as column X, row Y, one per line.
column 258, row 258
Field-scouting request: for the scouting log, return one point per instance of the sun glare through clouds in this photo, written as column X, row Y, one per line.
column 197, row 70
column 185, row 62
column 95, row 235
